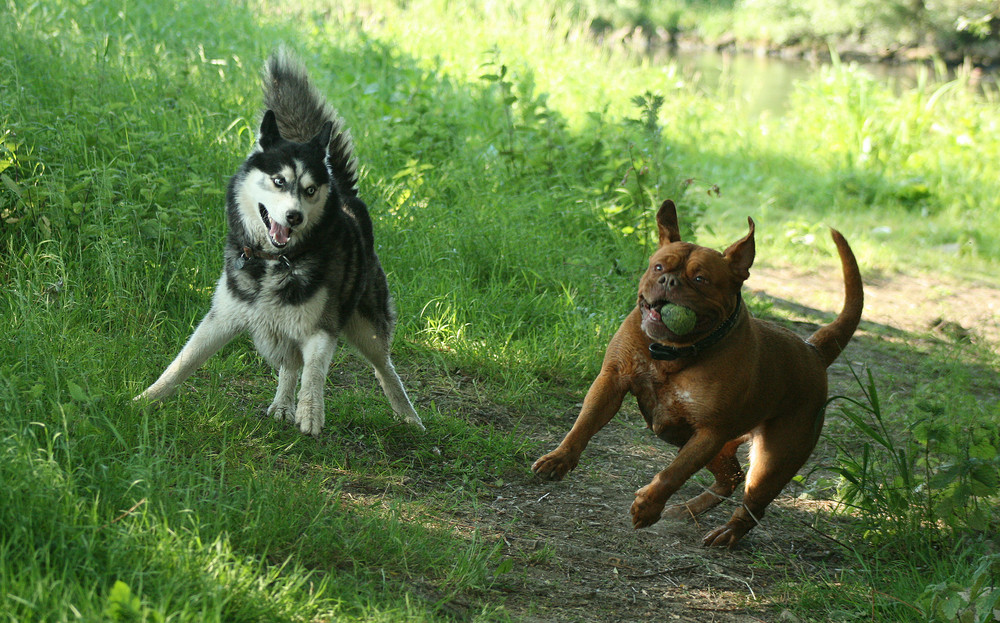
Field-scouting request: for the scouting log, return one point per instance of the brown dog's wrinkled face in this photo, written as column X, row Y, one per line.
column 701, row 279
column 690, row 276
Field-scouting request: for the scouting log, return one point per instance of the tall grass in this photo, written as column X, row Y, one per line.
column 888, row 167
column 932, row 474
column 512, row 180
column 118, row 136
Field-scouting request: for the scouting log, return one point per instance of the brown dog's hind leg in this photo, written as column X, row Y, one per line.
column 776, row 455
column 728, row 474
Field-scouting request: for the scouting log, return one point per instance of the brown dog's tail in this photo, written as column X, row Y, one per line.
column 831, row 339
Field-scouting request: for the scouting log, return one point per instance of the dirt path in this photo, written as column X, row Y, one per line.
column 904, row 305
column 579, row 558
column 586, row 563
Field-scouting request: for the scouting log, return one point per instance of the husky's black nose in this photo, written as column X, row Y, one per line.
column 294, row 218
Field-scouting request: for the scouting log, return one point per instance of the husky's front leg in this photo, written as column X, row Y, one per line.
column 214, row 332
column 317, row 353
column 283, row 406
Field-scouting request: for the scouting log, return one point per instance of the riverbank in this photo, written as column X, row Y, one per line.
column 889, row 32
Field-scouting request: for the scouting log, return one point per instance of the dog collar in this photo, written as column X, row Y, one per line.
column 249, row 253
column 662, row 352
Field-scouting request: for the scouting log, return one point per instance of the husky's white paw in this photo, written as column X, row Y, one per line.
column 402, row 406
column 310, row 417
column 154, row 392
column 413, row 420
column 282, row 411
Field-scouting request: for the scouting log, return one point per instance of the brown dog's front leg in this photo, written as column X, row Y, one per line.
column 600, row 405
column 697, row 452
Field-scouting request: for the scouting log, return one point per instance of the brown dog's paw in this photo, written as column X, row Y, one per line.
column 646, row 509
column 725, row 536
column 553, row 466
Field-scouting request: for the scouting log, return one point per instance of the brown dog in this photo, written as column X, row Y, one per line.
column 730, row 379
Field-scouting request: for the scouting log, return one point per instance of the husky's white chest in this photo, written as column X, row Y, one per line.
column 270, row 312
column 278, row 326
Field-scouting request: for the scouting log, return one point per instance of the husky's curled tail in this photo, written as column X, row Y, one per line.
column 300, row 266
column 302, row 111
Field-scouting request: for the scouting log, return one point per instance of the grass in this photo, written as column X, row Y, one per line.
column 512, row 180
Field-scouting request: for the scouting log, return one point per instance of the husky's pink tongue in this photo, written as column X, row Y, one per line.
column 279, row 234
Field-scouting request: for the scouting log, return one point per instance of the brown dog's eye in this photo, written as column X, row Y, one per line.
column 658, row 268
column 700, row 279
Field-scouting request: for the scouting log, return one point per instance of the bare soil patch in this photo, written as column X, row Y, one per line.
column 902, row 306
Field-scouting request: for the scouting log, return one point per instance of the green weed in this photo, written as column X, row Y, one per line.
column 940, row 470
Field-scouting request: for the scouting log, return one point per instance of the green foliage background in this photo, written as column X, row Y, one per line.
column 512, row 168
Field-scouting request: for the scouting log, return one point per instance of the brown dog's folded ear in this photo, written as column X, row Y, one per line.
column 741, row 254
column 666, row 223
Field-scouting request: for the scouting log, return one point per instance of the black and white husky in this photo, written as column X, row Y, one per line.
column 300, row 265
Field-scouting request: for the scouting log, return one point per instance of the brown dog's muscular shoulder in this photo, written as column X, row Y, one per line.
column 727, row 378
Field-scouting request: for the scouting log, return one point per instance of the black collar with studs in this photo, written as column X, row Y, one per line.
column 249, row 253
column 662, row 352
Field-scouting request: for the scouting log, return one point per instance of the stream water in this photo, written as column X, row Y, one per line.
column 763, row 84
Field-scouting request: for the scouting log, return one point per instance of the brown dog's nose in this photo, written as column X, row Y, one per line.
column 669, row 281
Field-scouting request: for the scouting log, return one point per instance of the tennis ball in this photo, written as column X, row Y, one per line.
column 680, row 320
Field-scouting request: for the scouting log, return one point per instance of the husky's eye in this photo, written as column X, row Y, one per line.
column 311, row 191
column 279, row 182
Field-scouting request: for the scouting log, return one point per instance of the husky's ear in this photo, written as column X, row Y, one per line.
column 741, row 254
column 666, row 223
column 322, row 138
column 269, row 134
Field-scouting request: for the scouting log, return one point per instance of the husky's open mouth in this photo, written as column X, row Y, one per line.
column 275, row 231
